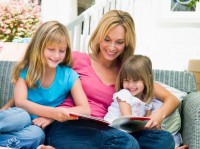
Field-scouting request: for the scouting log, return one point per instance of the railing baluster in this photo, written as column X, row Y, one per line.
column 81, row 28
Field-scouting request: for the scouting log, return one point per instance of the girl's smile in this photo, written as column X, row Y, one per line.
column 136, row 87
column 54, row 55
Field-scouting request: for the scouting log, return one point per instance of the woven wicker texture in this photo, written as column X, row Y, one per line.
column 6, row 87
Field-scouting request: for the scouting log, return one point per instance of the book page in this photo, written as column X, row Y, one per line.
column 130, row 124
column 87, row 117
column 126, row 123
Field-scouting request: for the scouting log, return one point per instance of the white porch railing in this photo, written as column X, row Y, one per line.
column 81, row 28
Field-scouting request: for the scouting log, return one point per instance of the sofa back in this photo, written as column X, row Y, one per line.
column 181, row 80
column 6, row 86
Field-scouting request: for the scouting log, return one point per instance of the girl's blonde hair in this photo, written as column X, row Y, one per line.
column 138, row 67
column 110, row 20
column 51, row 33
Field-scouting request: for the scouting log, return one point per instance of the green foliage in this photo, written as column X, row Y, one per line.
column 193, row 3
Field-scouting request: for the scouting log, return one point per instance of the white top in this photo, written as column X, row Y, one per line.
column 138, row 107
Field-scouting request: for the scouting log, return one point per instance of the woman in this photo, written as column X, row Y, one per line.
column 111, row 43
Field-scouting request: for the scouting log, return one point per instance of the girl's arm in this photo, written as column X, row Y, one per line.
column 20, row 97
column 80, row 99
column 10, row 103
column 125, row 108
column 81, row 105
column 170, row 103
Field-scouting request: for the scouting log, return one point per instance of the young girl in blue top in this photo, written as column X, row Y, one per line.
column 42, row 81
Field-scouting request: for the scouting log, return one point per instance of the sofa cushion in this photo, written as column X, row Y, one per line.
column 179, row 94
column 6, row 86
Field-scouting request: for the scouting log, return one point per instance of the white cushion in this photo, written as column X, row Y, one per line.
column 179, row 94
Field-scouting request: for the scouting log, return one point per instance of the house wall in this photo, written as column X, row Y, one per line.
column 172, row 47
column 61, row 10
column 169, row 42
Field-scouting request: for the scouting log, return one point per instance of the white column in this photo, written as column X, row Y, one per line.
column 63, row 11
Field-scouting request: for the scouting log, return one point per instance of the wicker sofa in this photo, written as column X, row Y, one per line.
column 181, row 80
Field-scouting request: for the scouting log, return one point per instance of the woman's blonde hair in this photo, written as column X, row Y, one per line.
column 110, row 20
column 138, row 67
column 51, row 33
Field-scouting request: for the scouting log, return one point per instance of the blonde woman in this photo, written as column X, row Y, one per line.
column 111, row 43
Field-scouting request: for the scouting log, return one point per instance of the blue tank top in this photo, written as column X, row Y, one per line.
column 55, row 94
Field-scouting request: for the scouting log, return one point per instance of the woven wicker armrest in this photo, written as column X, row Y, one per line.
column 6, row 86
column 191, row 120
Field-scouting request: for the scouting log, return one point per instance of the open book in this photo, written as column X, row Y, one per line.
column 126, row 123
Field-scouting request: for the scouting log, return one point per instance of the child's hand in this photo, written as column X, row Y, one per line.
column 42, row 122
column 63, row 115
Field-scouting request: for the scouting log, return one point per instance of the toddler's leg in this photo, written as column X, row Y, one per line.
column 28, row 138
column 14, row 119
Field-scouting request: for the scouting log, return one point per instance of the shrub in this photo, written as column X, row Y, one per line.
column 18, row 20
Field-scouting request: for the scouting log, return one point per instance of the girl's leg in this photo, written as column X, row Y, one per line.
column 79, row 134
column 28, row 138
column 157, row 139
column 14, row 119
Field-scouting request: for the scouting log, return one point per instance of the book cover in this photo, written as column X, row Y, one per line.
column 125, row 123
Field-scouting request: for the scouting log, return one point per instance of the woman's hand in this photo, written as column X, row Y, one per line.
column 156, row 120
column 42, row 122
column 170, row 103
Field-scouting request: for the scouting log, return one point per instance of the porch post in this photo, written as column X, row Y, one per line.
column 63, row 11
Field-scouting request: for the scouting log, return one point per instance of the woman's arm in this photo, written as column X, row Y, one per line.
column 10, row 103
column 170, row 103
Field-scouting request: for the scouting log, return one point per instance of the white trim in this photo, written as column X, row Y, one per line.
column 168, row 16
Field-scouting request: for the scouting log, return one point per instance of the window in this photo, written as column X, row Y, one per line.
column 179, row 11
